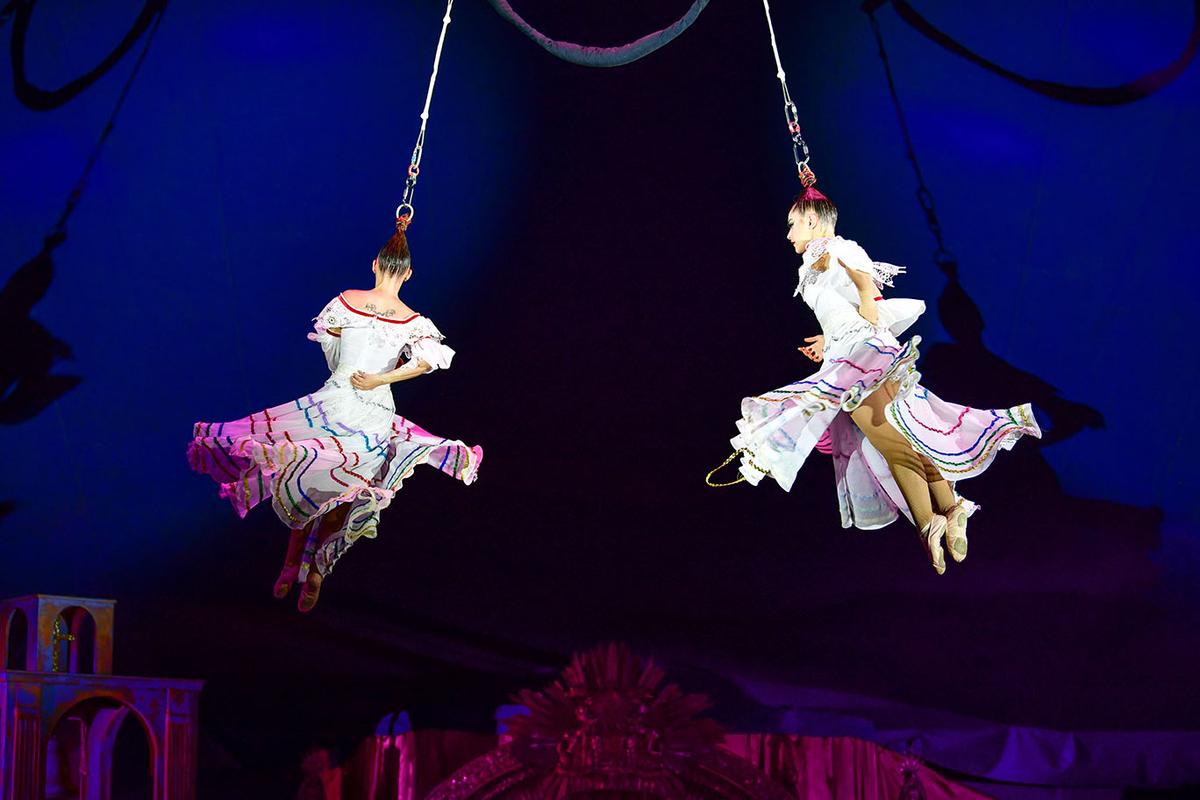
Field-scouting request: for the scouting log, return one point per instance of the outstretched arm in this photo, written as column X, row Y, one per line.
column 367, row 380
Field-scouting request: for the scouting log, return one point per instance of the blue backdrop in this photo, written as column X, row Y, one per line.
column 605, row 248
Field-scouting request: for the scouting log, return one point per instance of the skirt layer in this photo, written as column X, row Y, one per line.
column 326, row 449
column 779, row 429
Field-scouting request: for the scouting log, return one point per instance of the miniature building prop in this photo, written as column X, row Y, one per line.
column 61, row 707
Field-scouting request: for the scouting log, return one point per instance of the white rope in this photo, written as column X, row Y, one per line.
column 405, row 211
column 437, row 60
column 790, row 113
column 787, row 98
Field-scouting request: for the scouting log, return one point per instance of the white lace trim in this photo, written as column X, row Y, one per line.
column 883, row 272
column 850, row 253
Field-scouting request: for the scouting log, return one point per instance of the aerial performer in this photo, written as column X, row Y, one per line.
column 330, row 462
column 897, row 448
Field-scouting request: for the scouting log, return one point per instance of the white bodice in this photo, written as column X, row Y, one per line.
column 354, row 340
column 833, row 297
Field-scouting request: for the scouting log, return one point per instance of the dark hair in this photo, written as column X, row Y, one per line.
column 393, row 258
column 824, row 208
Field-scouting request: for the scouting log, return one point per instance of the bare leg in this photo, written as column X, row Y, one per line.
column 906, row 465
column 942, row 495
column 327, row 525
column 291, row 562
column 948, row 506
column 908, row 468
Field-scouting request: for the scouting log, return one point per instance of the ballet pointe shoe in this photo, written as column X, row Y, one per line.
column 956, row 531
column 931, row 538
column 310, row 592
column 287, row 576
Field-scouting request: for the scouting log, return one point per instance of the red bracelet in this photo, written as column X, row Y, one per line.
column 879, row 297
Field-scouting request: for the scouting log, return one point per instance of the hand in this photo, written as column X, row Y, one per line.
column 815, row 350
column 365, row 380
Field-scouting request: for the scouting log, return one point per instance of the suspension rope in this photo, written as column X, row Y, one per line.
column 405, row 211
column 799, row 147
column 807, row 179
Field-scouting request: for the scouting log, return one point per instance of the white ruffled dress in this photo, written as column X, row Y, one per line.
column 339, row 444
column 779, row 429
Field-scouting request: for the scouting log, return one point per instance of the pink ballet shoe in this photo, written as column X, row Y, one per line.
column 931, row 537
column 287, row 576
column 956, row 531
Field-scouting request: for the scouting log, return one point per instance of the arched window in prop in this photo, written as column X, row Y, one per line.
column 99, row 747
column 14, row 638
column 74, row 642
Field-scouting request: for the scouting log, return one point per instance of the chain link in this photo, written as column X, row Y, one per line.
column 791, row 114
column 741, row 478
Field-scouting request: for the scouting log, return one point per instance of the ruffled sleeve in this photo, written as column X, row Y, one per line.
column 426, row 345
column 853, row 256
column 336, row 315
column 897, row 314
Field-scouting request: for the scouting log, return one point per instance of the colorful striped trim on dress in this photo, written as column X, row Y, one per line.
column 969, row 446
column 835, row 394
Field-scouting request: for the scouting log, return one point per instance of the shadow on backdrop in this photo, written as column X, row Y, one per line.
column 27, row 387
column 1115, row 539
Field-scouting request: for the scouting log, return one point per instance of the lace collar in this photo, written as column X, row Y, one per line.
column 815, row 249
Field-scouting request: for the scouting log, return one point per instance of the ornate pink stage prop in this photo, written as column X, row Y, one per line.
column 609, row 728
